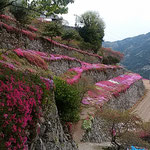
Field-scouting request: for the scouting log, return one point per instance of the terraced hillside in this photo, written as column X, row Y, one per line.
column 29, row 113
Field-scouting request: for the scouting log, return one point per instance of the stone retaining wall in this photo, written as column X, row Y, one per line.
column 61, row 66
column 129, row 98
column 51, row 135
column 124, row 101
column 12, row 40
column 103, row 75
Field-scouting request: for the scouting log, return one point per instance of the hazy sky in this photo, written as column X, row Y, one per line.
column 123, row 18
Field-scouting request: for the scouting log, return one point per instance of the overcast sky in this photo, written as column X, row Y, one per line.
column 123, row 18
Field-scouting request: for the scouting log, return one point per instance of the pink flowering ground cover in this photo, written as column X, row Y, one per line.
column 110, row 52
column 33, row 29
column 40, row 57
column 33, row 36
column 9, row 28
column 32, row 57
column 87, row 67
column 21, row 99
column 6, row 64
column 5, row 17
column 71, row 48
column 105, row 90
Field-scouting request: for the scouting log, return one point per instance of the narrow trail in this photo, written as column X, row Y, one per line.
column 142, row 109
column 93, row 146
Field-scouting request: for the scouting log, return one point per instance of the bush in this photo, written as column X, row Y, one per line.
column 70, row 34
column 86, row 46
column 3, row 3
column 21, row 13
column 52, row 29
column 110, row 60
column 21, row 99
column 67, row 100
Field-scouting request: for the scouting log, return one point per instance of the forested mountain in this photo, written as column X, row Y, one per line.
column 137, row 53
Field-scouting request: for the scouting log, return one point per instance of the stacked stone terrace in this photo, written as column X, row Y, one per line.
column 30, row 40
column 112, row 85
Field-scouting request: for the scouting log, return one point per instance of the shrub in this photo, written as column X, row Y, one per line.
column 21, row 98
column 86, row 46
column 87, row 123
column 110, row 60
column 67, row 100
column 21, row 12
column 52, row 29
column 3, row 3
column 70, row 34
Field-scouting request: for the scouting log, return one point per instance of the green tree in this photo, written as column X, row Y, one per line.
column 21, row 12
column 91, row 29
column 70, row 34
column 45, row 7
column 52, row 29
column 4, row 4
column 49, row 7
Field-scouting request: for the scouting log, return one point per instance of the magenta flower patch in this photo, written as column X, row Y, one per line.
column 87, row 67
column 105, row 90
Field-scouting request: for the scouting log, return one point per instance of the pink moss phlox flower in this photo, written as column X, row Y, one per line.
column 7, row 144
column 4, row 57
column 87, row 67
column 48, row 82
column 105, row 90
column 30, row 35
column 110, row 52
column 19, row 99
column 19, row 52
column 9, row 28
column 33, row 57
column 9, row 65
column 71, row 48
column 32, row 28
column 38, row 53
column 7, row 18
column 5, row 115
column 14, row 128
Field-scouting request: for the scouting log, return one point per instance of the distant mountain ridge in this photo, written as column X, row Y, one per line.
column 137, row 53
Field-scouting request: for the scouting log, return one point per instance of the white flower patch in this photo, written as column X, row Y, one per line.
column 113, row 81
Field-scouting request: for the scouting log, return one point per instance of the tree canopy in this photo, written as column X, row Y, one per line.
column 45, row 7
column 71, row 34
column 91, row 29
column 52, row 29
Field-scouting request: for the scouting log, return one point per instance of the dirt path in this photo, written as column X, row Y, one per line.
column 93, row 146
column 142, row 109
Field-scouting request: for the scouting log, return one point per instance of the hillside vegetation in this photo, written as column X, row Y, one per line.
column 47, row 89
